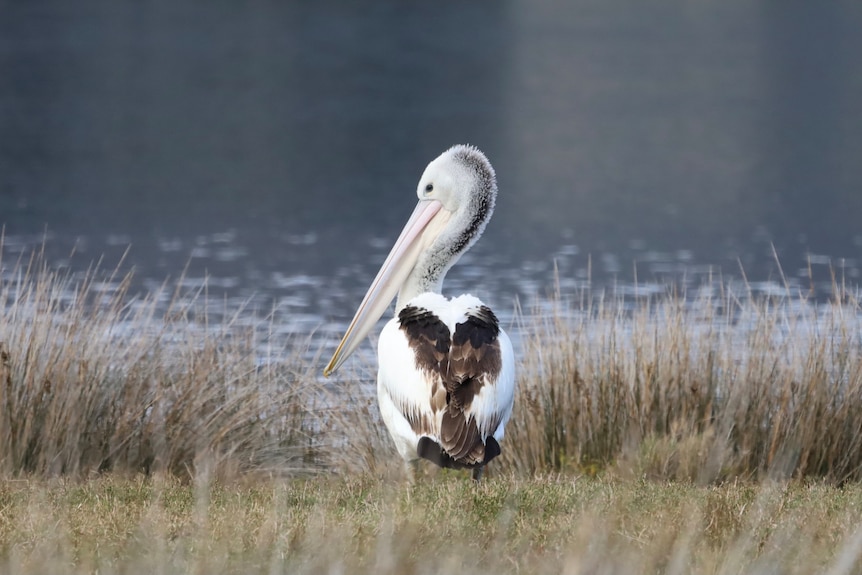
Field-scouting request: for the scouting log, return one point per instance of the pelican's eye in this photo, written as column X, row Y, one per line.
column 429, row 188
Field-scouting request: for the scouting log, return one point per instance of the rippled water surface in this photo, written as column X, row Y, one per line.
column 270, row 152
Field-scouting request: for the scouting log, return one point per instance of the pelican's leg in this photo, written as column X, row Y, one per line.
column 411, row 470
column 477, row 473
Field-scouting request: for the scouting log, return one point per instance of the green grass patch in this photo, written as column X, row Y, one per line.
column 554, row 524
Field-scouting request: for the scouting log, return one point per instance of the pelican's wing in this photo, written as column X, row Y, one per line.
column 446, row 373
column 409, row 387
column 479, row 381
column 493, row 404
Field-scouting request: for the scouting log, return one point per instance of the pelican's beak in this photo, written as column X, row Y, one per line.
column 398, row 265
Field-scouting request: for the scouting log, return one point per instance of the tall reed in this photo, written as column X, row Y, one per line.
column 699, row 389
column 93, row 378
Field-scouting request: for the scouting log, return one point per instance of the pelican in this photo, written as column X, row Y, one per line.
column 446, row 378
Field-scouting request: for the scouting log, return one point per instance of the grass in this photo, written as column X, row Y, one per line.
column 93, row 381
column 550, row 524
column 720, row 433
column 701, row 389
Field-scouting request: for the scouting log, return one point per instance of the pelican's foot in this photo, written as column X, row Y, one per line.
column 412, row 471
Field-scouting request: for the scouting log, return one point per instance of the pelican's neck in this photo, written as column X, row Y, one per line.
column 425, row 277
column 445, row 240
column 450, row 234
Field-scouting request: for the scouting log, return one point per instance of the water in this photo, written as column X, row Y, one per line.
column 270, row 152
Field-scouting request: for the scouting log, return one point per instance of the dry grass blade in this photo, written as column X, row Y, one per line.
column 363, row 525
column 706, row 389
column 699, row 390
column 92, row 379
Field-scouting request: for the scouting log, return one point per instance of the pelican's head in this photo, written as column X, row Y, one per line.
column 456, row 194
column 458, row 176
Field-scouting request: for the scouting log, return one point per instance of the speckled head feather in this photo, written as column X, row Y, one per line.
column 484, row 194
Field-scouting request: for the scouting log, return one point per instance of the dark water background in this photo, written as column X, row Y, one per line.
column 274, row 147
